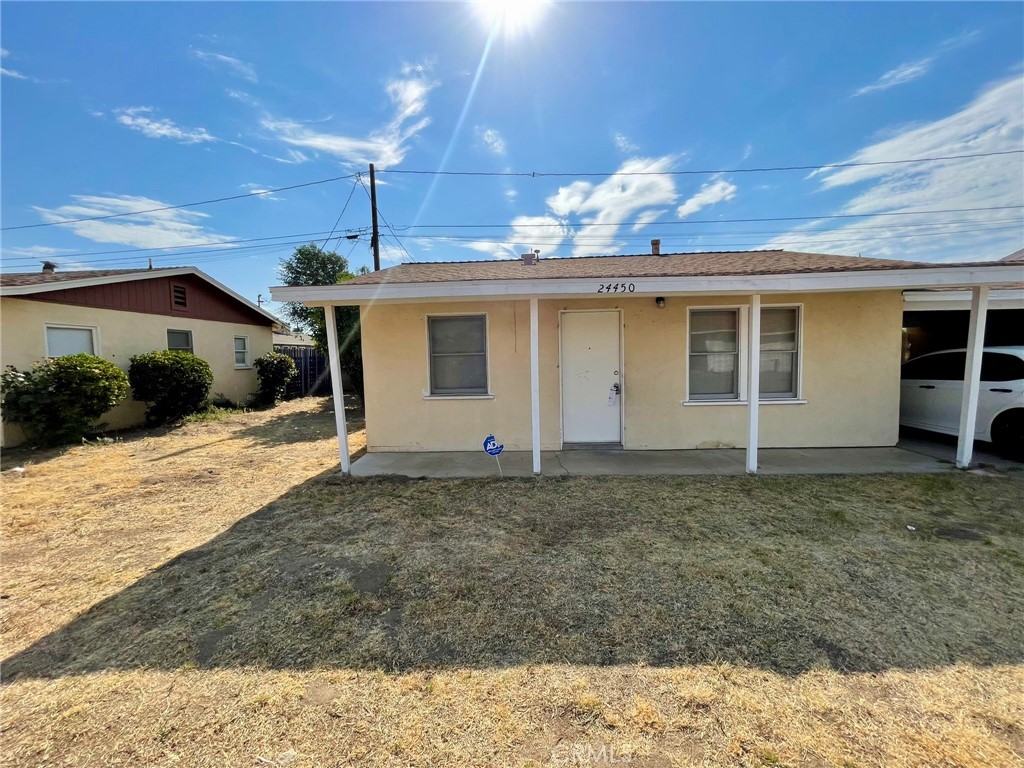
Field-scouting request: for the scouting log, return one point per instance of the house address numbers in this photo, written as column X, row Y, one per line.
column 616, row 288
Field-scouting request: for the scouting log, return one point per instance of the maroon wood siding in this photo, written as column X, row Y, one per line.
column 153, row 296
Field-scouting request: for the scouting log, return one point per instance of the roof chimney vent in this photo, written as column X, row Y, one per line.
column 529, row 259
column 49, row 267
column 656, row 247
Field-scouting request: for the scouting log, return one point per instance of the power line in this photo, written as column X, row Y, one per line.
column 718, row 221
column 257, row 193
column 693, row 235
column 351, row 230
column 704, row 171
column 530, row 174
column 282, row 240
column 391, row 229
column 343, row 209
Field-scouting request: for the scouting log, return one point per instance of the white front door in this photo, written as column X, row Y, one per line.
column 591, row 379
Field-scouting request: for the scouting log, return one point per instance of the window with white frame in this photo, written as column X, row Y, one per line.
column 718, row 354
column 780, row 329
column 241, row 351
column 179, row 341
column 458, row 355
column 70, row 340
column 714, row 354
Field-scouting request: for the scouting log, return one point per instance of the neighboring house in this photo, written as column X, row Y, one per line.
column 287, row 338
column 117, row 313
column 655, row 351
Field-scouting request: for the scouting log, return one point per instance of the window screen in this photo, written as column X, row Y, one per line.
column 779, row 350
column 180, row 341
column 714, row 354
column 61, row 340
column 458, row 355
column 241, row 351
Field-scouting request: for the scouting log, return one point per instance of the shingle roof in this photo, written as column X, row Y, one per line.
column 43, row 278
column 707, row 264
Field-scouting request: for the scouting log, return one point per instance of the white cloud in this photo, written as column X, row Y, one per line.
column 589, row 215
column 712, row 192
column 624, row 145
column 912, row 70
column 491, row 139
column 992, row 122
column 904, row 73
column 262, row 191
column 511, row 194
column 12, row 73
column 4, row 53
column 386, row 146
column 32, row 252
column 237, row 66
column 138, row 119
column 159, row 229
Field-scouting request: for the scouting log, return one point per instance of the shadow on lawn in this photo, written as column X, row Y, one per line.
column 785, row 574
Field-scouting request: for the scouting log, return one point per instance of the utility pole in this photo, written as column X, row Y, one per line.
column 375, row 236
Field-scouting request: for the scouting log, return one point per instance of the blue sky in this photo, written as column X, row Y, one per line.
column 117, row 107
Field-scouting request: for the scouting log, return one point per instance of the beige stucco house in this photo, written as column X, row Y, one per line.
column 117, row 313
column 647, row 352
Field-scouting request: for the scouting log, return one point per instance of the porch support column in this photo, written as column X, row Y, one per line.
column 535, row 383
column 753, row 382
column 972, row 376
column 334, row 356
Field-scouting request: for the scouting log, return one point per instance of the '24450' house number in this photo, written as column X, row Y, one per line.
column 616, row 288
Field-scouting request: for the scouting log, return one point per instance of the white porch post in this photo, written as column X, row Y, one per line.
column 972, row 376
column 535, row 383
column 753, row 382
column 334, row 356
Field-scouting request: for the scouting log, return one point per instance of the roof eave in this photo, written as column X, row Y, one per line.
column 28, row 290
column 992, row 273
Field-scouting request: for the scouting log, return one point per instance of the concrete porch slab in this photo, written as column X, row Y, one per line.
column 772, row 461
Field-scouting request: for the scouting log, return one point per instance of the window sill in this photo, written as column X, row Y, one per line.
column 243, row 367
column 744, row 402
column 458, row 397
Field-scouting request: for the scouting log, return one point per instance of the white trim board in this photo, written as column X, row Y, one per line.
column 992, row 273
column 937, row 301
column 85, row 282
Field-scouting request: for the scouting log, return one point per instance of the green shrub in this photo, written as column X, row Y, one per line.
column 60, row 399
column 173, row 384
column 274, row 371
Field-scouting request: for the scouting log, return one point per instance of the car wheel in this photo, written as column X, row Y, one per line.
column 1008, row 433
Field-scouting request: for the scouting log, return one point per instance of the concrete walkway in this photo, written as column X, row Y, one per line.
column 772, row 461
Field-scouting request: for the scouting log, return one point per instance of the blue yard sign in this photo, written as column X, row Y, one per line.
column 492, row 447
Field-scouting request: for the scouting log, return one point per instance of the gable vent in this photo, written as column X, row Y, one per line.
column 179, row 297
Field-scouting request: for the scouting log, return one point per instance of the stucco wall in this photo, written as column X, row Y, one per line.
column 123, row 334
column 851, row 356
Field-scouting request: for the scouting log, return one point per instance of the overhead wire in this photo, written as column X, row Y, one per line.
column 523, row 174
column 701, row 171
column 257, row 193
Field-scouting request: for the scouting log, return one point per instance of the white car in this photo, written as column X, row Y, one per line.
column 932, row 388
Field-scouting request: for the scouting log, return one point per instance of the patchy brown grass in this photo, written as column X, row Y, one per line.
column 278, row 614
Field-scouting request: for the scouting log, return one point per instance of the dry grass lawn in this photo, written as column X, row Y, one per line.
column 217, row 596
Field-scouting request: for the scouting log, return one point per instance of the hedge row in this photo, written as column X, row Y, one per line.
column 61, row 399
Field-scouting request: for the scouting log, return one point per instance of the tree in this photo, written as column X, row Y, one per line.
column 311, row 265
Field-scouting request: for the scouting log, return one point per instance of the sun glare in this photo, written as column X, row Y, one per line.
column 510, row 16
